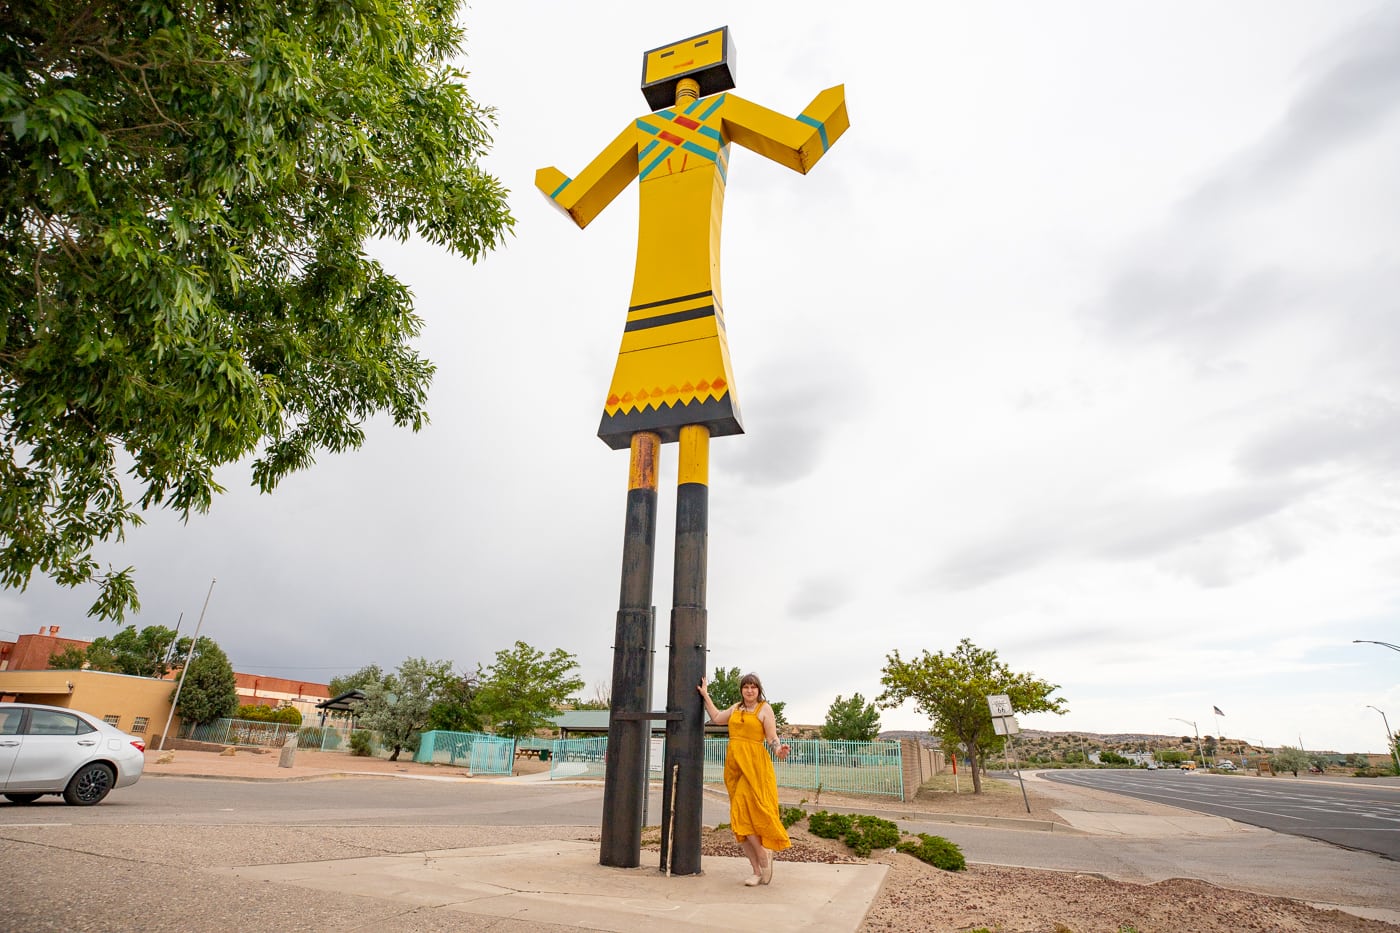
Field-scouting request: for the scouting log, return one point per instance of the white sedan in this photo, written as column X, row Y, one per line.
column 51, row 750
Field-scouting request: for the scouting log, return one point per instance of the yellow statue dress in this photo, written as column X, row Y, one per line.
column 752, row 784
column 673, row 368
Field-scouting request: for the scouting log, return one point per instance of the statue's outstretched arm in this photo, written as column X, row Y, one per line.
column 584, row 197
column 798, row 143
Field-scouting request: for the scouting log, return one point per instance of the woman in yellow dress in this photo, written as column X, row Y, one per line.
column 749, row 776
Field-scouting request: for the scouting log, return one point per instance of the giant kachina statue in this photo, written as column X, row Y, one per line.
column 673, row 382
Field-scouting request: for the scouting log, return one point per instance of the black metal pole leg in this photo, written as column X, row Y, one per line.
column 625, row 780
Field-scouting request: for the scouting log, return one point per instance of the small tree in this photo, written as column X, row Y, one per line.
column 952, row 690
column 1288, row 758
column 851, row 720
column 209, row 691
column 398, row 707
column 369, row 674
column 524, row 687
column 455, row 709
column 150, row 652
column 71, row 658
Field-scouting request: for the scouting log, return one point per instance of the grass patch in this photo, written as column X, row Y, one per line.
column 941, row 784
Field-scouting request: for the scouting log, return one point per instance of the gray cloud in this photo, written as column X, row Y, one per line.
column 794, row 414
column 817, row 596
column 1121, row 529
column 1365, row 435
column 1188, row 281
column 1349, row 90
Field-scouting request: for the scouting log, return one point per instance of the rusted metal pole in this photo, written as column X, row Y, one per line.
column 629, row 728
column 685, row 733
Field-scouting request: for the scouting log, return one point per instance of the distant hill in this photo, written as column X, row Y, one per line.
column 1030, row 740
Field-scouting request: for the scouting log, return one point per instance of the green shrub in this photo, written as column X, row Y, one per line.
column 937, row 851
column 829, row 825
column 790, row 815
column 361, row 743
column 288, row 715
column 863, row 833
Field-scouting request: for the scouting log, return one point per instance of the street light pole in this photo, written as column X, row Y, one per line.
column 1201, row 754
column 1389, row 737
column 1367, row 641
column 175, row 698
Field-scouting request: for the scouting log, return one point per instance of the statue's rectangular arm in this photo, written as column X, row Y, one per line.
column 584, row 197
column 797, row 143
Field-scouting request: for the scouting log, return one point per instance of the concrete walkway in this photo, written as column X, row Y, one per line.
column 556, row 885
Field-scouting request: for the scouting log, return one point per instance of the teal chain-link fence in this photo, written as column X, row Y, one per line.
column 481, row 753
column 875, row 768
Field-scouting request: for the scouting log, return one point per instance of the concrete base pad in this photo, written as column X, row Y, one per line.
column 562, row 883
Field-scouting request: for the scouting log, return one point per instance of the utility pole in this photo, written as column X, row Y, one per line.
column 186, row 669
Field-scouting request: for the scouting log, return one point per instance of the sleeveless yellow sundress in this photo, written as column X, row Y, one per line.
column 752, row 784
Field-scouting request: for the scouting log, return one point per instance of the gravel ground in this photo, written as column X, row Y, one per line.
column 918, row 897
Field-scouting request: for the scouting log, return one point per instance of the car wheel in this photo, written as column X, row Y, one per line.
column 89, row 785
column 22, row 798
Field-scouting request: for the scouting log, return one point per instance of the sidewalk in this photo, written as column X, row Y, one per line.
column 309, row 764
column 536, row 886
column 559, row 884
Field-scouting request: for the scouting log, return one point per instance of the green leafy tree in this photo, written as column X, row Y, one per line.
column 185, row 194
column 455, row 709
column 397, row 707
column 140, row 654
column 369, row 674
column 1288, row 758
column 724, row 691
column 851, row 720
column 209, row 691
column 524, row 688
column 71, row 658
column 952, row 690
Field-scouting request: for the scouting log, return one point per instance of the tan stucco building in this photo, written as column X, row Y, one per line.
column 139, row 705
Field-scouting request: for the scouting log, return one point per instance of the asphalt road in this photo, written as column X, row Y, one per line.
column 174, row 801
column 1357, row 816
column 149, row 856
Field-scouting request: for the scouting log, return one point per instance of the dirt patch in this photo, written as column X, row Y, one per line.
column 918, row 897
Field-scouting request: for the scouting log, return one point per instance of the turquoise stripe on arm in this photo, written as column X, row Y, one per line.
column 554, row 195
column 820, row 126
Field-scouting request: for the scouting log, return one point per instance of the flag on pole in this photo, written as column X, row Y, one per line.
column 1217, row 711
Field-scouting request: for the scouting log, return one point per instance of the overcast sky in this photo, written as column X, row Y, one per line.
column 1083, row 343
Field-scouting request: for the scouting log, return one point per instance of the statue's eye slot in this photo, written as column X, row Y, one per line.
column 668, row 54
column 702, row 42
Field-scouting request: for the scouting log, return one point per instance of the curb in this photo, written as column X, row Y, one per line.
column 293, row 778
